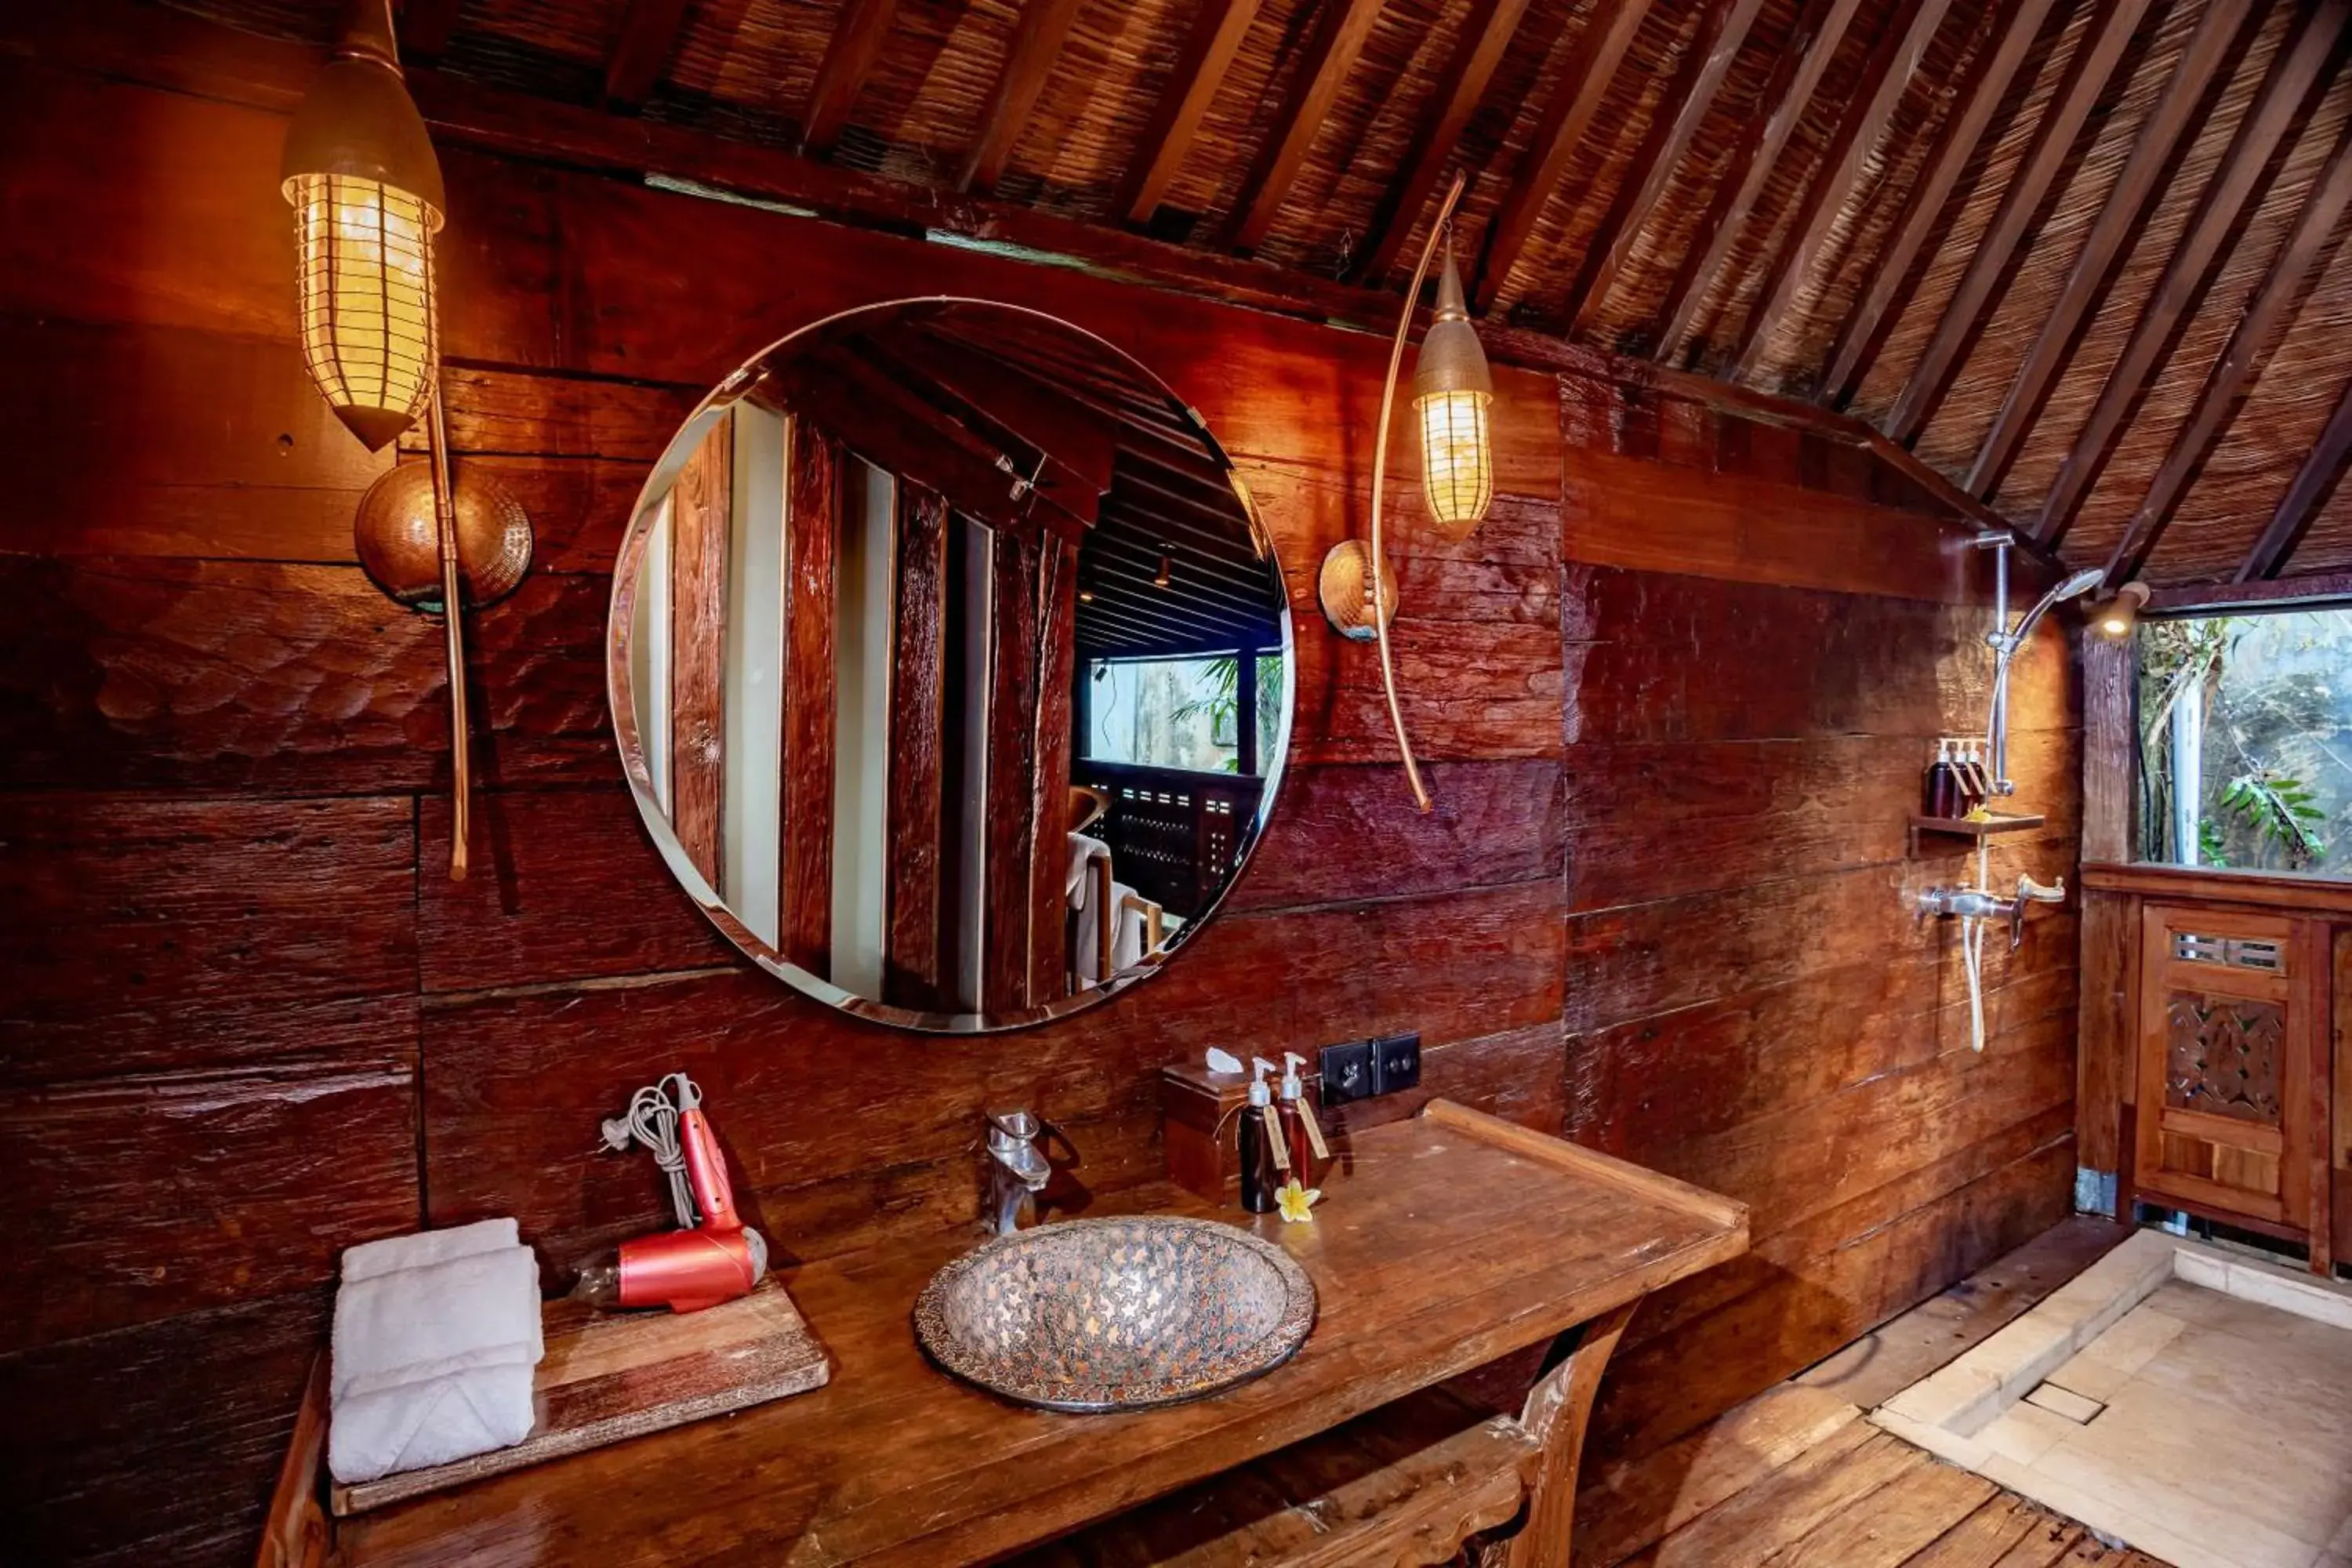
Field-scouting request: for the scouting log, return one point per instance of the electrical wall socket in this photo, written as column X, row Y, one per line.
column 1363, row 1069
column 1396, row 1063
column 1348, row 1072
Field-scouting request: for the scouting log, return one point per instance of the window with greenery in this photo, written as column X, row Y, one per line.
column 1180, row 712
column 2245, row 741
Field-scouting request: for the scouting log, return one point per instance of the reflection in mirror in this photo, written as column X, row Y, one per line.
column 950, row 665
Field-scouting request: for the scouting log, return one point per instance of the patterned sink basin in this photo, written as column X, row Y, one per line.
column 1116, row 1314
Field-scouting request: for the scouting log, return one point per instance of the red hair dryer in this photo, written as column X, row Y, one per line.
column 712, row 1256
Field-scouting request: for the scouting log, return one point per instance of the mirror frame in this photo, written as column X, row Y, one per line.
column 620, row 626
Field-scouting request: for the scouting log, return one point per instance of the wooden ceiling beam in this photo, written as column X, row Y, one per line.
column 425, row 28
column 1485, row 34
column 1337, row 38
column 1583, row 82
column 2319, row 589
column 1218, row 28
column 2234, row 373
column 649, row 32
column 1996, row 67
column 1133, row 561
column 1037, row 40
column 1722, row 29
column 1885, row 76
column 1812, row 43
column 849, row 56
column 2313, row 482
column 2221, row 39
column 2302, row 67
column 2010, row 237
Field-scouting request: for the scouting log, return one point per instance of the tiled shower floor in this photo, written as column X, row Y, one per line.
column 2210, row 1429
column 2219, row 1428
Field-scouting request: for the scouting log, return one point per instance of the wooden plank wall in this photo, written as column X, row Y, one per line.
column 1756, row 672
column 248, row 1022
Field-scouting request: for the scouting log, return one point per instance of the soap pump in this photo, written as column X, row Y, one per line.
column 1302, row 1134
column 1265, row 1157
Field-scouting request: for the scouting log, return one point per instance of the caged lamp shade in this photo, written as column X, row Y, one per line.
column 367, row 197
column 1452, row 394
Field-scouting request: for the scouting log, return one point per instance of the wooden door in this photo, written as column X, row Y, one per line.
column 2227, row 1026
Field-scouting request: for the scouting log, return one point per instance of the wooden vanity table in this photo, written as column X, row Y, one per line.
column 1442, row 1242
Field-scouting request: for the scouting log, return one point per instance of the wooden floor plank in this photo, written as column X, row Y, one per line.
column 2045, row 1546
column 1630, row 1506
column 1981, row 1539
column 1793, row 1480
column 1886, row 1528
column 1882, row 1363
column 1746, row 1531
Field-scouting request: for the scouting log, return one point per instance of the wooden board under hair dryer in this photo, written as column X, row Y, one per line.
column 713, row 1257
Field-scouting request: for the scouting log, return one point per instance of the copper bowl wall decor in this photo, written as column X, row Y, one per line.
column 1117, row 1314
column 399, row 548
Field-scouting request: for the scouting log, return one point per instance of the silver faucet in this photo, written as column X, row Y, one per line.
column 1974, row 903
column 1017, row 1170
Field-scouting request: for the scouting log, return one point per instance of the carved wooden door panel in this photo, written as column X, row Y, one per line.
column 2226, row 1023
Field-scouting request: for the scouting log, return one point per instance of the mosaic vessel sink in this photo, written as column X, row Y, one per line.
column 1116, row 1314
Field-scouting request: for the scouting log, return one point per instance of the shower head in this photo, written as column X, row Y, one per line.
column 2081, row 583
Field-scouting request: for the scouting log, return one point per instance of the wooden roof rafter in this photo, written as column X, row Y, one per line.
column 1486, row 32
column 2234, row 373
column 1584, row 81
column 2309, row 491
column 1885, row 76
column 1821, row 28
column 1980, row 97
column 849, row 56
column 649, row 35
column 1037, row 41
column 1722, row 30
column 2223, row 35
column 2013, row 230
column 2301, row 71
column 1215, row 36
column 1337, row 38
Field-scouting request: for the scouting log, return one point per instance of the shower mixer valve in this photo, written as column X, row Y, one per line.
column 1971, row 903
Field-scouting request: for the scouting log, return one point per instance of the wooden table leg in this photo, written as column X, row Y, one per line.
column 1557, row 1410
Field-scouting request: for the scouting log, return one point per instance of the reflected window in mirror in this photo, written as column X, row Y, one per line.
column 950, row 666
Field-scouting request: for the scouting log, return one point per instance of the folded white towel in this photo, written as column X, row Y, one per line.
column 370, row 1258
column 410, row 1425
column 414, row 1325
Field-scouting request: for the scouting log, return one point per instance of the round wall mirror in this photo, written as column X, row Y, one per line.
column 951, row 666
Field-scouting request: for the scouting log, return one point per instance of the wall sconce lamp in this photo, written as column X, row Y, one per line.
column 1453, row 394
column 2115, row 617
column 366, row 190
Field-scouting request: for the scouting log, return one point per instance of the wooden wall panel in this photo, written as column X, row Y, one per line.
column 911, row 949
column 699, row 528
column 813, row 524
column 1702, row 748
column 854, row 1130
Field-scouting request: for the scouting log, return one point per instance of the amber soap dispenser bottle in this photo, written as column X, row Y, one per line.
column 1302, row 1135
column 1265, row 1154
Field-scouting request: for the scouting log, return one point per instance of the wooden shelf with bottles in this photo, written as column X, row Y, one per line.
column 1971, row 828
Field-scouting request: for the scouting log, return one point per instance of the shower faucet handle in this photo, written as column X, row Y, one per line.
column 2030, row 891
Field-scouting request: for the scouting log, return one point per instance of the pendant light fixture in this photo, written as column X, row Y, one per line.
column 367, row 196
column 1452, row 393
column 1452, row 396
column 366, row 190
column 2115, row 617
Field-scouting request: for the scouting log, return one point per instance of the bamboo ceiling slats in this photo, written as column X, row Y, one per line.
column 2015, row 235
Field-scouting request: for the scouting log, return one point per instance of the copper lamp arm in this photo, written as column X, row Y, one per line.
column 445, row 516
column 1379, row 484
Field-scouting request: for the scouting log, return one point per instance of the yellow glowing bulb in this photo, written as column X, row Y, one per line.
column 1457, row 458
column 365, row 255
